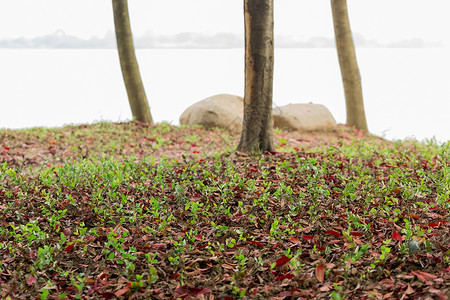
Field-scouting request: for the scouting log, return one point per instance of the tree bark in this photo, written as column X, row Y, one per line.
column 259, row 60
column 128, row 63
column 349, row 67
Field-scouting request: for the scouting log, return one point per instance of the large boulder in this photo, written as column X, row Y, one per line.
column 303, row 117
column 222, row 111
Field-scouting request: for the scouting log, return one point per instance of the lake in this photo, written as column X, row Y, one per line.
column 406, row 91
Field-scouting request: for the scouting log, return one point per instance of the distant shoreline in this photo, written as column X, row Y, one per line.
column 191, row 40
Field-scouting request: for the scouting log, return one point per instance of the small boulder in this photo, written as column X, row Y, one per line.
column 303, row 117
column 222, row 111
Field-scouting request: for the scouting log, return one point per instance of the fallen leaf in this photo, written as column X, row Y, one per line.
column 424, row 276
column 121, row 292
column 325, row 288
column 256, row 243
column 32, row 280
column 191, row 291
column 275, row 246
column 356, row 233
column 67, row 232
column 434, row 291
column 294, row 240
column 287, row 276
column 320, row 273
column 282, row 261
column 409, row 290
column 228, row 267
column 414, row 216
column 69, row 248
column 396, row 236
column 333, row 232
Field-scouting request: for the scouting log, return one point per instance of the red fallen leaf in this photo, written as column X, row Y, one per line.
column 287, row 276
column 195, row 152
column 282, row 261
column 320, row 273
column 191, row 291
column 396, row 236
column 69, row 248
column 106, row 295
column 396, row 191
column 434, row 208
column 333, row 232
column 32, row 280
column 198, row 237
column 67, row 232
column 202, row 246
column 53, row 142
column 356, row 233
column 275, row 246
column 134, row 133
column 322, row 248
column 197, row 291
column 433, row 224
column 308, row 237
column 121, row 292
column 6, row 147
column 256, row 243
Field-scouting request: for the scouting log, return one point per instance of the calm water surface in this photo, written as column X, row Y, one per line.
column 406, row 91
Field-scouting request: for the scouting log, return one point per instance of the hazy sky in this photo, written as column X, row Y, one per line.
column 384, row 20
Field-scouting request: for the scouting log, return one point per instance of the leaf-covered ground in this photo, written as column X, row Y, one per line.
column 137, row 212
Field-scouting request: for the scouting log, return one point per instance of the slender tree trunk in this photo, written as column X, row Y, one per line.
column 259, row 55
column 128, row 63
column 349, row 67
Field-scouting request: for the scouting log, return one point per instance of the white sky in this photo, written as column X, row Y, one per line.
column 384, row 20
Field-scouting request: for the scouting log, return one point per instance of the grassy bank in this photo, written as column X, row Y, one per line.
column 130, row 211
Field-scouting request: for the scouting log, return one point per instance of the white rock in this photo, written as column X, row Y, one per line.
column 222, row 111
column 303, row 117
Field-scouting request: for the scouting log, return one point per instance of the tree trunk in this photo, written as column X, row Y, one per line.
column 259, row 54
column 128, row 63
column 349, row 67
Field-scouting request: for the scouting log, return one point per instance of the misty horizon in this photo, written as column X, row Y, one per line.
column 192, row 40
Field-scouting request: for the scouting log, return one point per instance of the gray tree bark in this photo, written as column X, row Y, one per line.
column 351, row 77
column 128, row 63
column 257, row 129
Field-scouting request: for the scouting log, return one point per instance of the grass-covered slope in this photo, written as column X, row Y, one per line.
column 94, row 212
